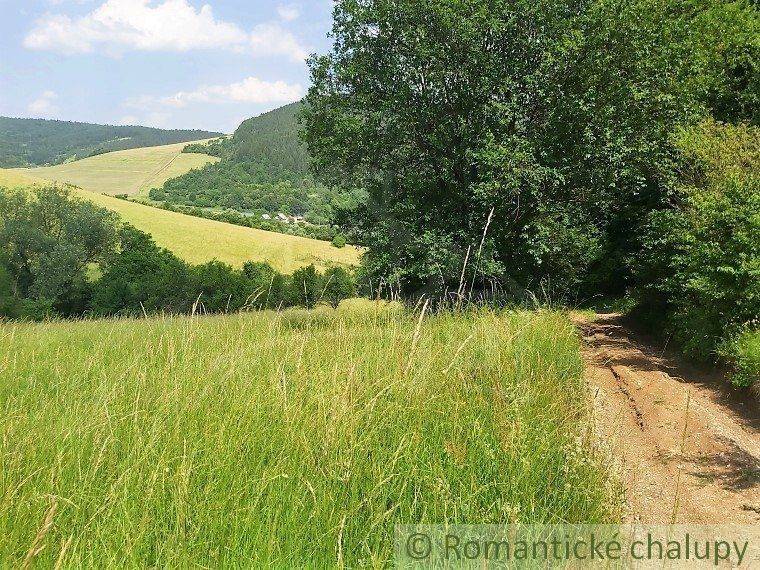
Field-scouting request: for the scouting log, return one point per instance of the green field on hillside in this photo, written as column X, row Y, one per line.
column 30, row 142
column 132, row 172
column 284, row 440
column 198, row 240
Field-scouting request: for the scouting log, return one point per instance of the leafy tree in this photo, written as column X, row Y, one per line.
column 698, row 271
column 551, row 119
column 339, row 241
column 220, row 288
column 306, row 286
column 142, row 277
column 8, row 303
column 268, row 287
column 48, row 241
column 339, row 285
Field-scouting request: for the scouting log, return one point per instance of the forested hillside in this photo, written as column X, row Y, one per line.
column 39, row 142
column 264, row 170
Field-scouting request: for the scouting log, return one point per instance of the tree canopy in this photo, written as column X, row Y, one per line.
column 552, row 119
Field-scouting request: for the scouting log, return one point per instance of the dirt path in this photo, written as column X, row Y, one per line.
column 686, row 444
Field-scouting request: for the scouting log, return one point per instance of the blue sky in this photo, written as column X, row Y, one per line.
column 206, row 64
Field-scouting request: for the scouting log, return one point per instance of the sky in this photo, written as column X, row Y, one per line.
column 189, row 64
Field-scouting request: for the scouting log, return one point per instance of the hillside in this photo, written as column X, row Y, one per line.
column 264, row 169
column 38, row 142
column 131, row 172
column 198, row 240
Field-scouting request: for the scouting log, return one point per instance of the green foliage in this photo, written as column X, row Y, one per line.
column 339, row 241
column 264, row 170
column 220, row 288
column 8, row 303
column 218, row 147
column 743, row 352
column 339, row 286
column 64, row 257
column 726, row 50
column 38, row 142
column 48, row 241
column 554, row 115
column 306, row 287
column 699, row 269
column 269, row 287
column 141, row 277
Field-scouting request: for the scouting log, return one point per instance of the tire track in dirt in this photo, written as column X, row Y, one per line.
column 685, row 443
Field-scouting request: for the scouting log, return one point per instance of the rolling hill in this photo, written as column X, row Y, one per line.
column 132, row 172
column 264, row 169
column 39, row 142
column 199, row 240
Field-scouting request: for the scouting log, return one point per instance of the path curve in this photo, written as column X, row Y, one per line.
column 685, row 443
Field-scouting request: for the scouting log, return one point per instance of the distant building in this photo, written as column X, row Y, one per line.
column 266, row 216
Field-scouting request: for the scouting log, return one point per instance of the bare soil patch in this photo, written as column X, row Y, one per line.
column 686, row 443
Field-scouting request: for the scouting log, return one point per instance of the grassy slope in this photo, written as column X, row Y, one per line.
column 198, row 240
column 132, row 172
column 283, row 439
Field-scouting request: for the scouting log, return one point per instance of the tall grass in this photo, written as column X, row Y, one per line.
column 293, row 438
column 744, row 353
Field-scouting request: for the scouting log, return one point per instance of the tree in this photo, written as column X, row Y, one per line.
column 142, row 277
column 266, row 285
column 551, row 119
column 306, row 286
column 339, row 285
column 49, row 240
column 9, row 308
column 698, row 273
column 220, row 288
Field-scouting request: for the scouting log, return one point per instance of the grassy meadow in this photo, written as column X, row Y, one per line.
column 133, row 172
column 282, row 439
column 198, row 240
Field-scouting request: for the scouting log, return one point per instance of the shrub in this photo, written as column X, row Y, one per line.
column 339, row 285
column 142, row 277
column 268, row 287
column 339, row 241
column 699, row 268
column 744, row 353
column 219, row 287
column 306, row 287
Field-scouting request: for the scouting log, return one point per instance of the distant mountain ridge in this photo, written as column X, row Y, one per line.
column 40, row 142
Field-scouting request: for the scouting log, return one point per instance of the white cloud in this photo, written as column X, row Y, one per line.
column 272, row 39
column 249, row 90
column 160, row 25
column 44, row 105
column 289, row 12
column 172, row 25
